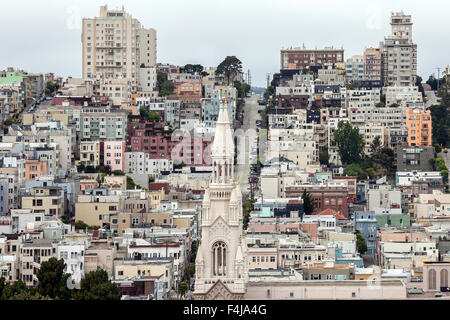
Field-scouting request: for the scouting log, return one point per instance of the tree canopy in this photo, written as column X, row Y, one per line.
column 248, row 207
column 53, row 279
column 242, row 89
column 230, row 67
column 349, row 142
column 96, row 286
column 149, row 115
column 193, row 68
column 308, row 204
column 164, row 86
column 355, row 169
column 440, row 118
column 361, row 245
column 182, row 288
column 324, row 157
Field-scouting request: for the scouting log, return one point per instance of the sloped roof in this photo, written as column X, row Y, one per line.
column 329, row 212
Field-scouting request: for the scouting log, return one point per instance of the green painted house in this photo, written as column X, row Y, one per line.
column 393, row 220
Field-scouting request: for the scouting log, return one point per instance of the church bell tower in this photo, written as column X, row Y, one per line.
column 221, row 266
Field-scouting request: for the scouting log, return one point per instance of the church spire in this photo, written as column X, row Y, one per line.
column 222, row 149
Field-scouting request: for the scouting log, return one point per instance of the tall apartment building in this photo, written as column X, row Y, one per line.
column 418, row 124
column 354, row 68
column 372, row 64
column 399, row 53
column 115, row 45
column 300, row 58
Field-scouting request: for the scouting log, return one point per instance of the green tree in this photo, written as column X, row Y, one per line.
column 130, row 183
column 167, row 88
column 11, row 121
column 308, row 204
column 361, row 245
column 439, row 165
column 440, row 122
column 385, row 159
column 248, row 207
column 193, row 68
column 51, row 87
column 418, row 80
column 2, row 285
column 375, row 146
column 118, row 173
column 8, row 291
column 96, row 286
column 65, row 219
column 53, row 279
column 371, row 173
column 349, row 142
column 355, row 169
column 163, row 85
column 380, row 105
column 230, row 67
column 29, row 295
column 182, row 289
column 190, row 271
column 242, row 89
column 324, row 157
column 194, row 248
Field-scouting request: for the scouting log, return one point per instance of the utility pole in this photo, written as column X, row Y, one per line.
column 438, row 75
column 268, row 79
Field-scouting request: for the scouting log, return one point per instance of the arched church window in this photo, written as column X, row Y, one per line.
column 432, row 279
column 444, row 278
column 219, row 255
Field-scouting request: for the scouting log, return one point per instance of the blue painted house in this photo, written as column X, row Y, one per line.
column 366, row 223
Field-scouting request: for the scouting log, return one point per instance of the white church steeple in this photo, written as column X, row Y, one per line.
column 221, row 263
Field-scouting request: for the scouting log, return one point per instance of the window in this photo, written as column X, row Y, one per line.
column 219, row 257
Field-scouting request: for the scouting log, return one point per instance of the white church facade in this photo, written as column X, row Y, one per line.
column 221, row 264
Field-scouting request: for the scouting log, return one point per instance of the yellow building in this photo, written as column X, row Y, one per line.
column 127, row 269
column 44, row 199
column 32, row 118
column 418, row 124
column 143, row 219
column 97, row 210
column 156, row 196
column 90, row 153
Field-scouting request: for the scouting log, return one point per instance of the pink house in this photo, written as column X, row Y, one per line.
column 113, row 154
column 88, row 184
column 35, row 168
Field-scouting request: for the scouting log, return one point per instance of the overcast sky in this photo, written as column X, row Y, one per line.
column 45, row 35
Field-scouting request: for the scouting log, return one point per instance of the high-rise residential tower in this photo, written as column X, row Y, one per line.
column 399, row 53
column 116, row 46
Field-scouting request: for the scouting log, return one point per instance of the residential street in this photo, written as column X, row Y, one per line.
column 251, row 114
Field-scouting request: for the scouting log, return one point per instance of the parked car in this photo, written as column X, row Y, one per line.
column 415, row 291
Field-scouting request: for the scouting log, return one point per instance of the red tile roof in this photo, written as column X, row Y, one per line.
column 156, row 186
column 329, row 212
